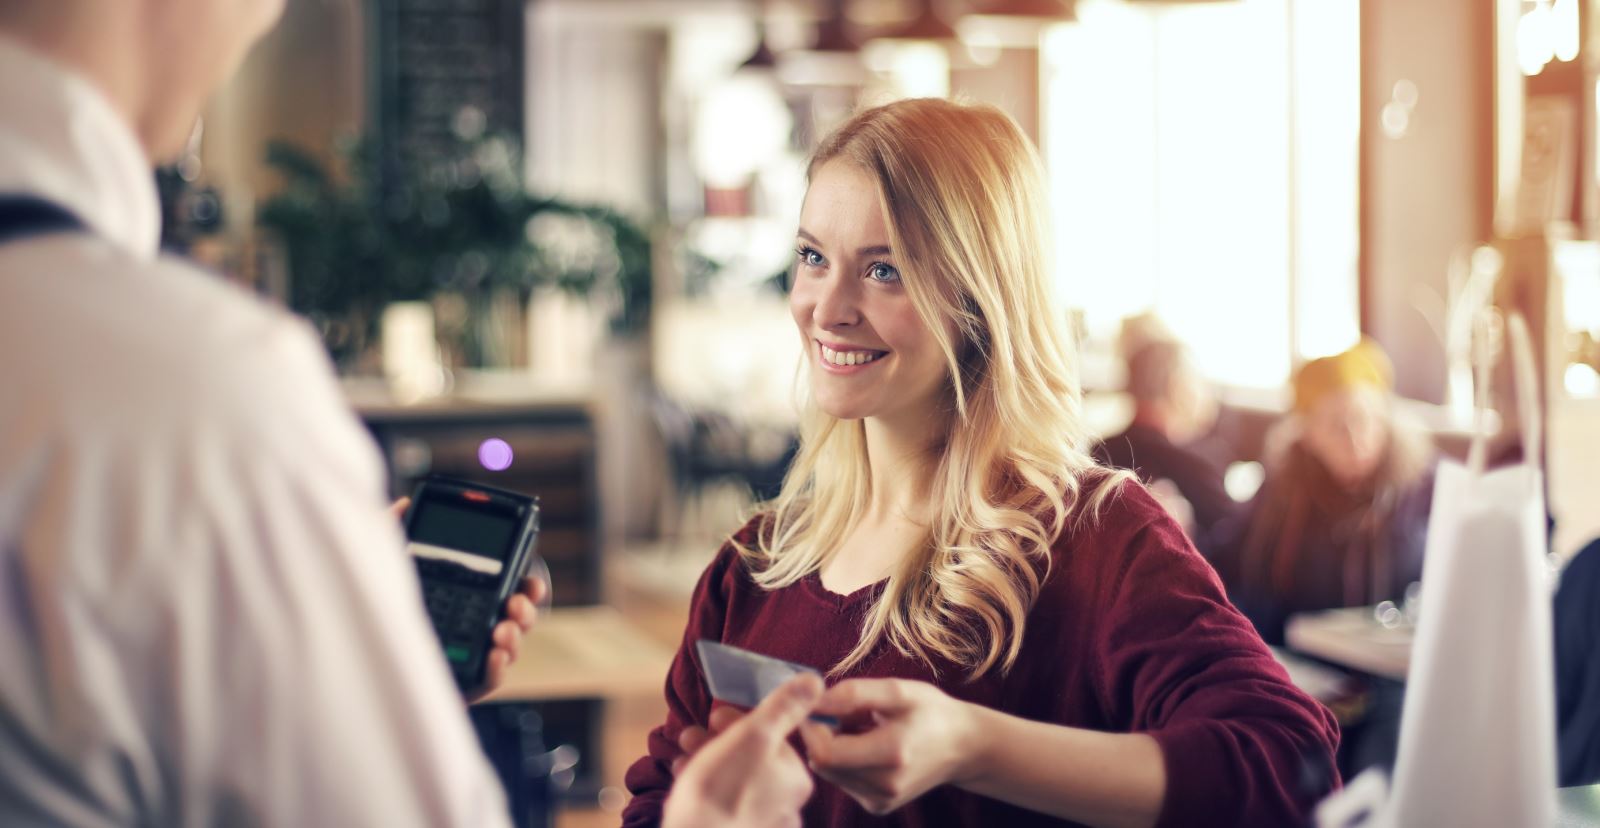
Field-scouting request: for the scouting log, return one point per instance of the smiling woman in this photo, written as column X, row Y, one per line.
column 895, row 279
column 1017, row 636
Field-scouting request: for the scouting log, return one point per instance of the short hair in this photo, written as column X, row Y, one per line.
column 1152, row 368
column 1364, row 364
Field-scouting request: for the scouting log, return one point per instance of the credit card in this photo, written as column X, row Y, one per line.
column 741, row 677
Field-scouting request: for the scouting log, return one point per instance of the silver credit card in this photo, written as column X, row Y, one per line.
column 743, row 678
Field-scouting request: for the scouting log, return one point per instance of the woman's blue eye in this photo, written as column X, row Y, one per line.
column 810, row 257
column 880, row 272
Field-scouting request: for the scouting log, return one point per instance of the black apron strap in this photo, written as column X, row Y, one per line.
column 25, row 217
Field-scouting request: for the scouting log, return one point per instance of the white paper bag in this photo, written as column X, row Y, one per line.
column 1477, row 735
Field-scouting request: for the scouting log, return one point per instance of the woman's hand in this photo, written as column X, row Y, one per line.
column 520, row 613
column 918, row 738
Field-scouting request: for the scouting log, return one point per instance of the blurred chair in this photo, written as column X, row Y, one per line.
column 1577, row 644
column 534, row 778
column 705, row 448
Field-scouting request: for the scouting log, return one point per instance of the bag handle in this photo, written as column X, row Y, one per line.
column 1524, row 373
column 1482, row 347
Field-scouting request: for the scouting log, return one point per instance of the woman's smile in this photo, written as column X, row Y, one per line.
column 838, row 358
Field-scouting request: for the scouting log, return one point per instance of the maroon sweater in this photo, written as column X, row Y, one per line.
column 1131, row 632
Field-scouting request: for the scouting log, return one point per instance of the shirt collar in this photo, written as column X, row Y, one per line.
column 61, row 140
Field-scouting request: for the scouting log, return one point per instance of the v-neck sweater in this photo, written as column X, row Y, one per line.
column 1131, row 632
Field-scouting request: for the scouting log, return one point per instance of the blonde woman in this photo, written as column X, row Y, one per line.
column 1012, row 635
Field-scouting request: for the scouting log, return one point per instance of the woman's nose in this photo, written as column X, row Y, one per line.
column 837, row 304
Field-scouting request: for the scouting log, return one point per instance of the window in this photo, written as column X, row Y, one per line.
column 1203, row 164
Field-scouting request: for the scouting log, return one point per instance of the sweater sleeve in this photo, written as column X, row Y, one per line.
column 688, row 698
column 1242, row 746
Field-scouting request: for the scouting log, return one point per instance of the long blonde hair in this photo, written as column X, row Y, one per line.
column 963, row 191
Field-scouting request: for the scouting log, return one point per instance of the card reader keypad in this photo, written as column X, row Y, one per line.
column 459, row 603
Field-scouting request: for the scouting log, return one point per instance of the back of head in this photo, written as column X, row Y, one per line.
column 156, row 61
column 1168, row 390
column 1153, row 369
column 1142, row 329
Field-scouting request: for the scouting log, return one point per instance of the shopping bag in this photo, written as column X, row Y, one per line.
column 1477, row 732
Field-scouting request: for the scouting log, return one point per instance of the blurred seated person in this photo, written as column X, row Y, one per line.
column 1342, row 514
column 1172, row 407
column 1577, row 644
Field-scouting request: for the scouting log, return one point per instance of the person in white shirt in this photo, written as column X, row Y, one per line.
column 206, row 614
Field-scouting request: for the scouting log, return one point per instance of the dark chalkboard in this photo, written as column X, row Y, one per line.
column 444, row 70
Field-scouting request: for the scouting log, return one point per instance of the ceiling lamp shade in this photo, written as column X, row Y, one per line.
column 1047, row 10
column 834, row 58
column 833, row 31
column 762, row 58
column 1012, row 24
column 927, row 26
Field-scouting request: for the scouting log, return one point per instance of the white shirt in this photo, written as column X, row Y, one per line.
column 206, row 613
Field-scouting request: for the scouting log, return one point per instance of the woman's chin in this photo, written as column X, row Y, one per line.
column 844, row 413
column 843, row 409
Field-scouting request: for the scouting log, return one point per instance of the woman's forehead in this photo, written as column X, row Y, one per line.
column 842, row 206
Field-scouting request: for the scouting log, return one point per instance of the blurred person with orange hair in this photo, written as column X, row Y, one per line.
column 1342, row 515
column 1014, row 635
column 1172, row 408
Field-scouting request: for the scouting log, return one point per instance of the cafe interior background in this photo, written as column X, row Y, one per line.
column 544, row 242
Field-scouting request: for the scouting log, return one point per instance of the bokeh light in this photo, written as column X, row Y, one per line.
column 495, row 454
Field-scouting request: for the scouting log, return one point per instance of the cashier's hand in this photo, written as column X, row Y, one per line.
column 746, row 775
column 520, row 612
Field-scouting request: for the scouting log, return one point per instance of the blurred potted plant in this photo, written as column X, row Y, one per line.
column 464, row 226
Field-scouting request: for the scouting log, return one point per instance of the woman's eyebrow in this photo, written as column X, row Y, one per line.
column 871, row 250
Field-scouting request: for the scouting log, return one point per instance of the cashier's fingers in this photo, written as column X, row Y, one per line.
column 399, row 507
column 695, row 737
column 521, row 609
column 508, row 639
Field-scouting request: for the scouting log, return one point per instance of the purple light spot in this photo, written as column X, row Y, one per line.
column 495, row 454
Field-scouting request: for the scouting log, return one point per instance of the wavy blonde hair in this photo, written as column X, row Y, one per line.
column 963, row 193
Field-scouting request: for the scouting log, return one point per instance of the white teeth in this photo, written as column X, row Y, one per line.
column 847, row 358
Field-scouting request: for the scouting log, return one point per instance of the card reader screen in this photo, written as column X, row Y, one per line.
column 466, row 530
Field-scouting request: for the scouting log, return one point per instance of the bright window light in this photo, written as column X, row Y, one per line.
column 1198, row 173
column 919, row 70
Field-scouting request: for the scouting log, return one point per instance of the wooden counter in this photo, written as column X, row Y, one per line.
column 586, row 653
